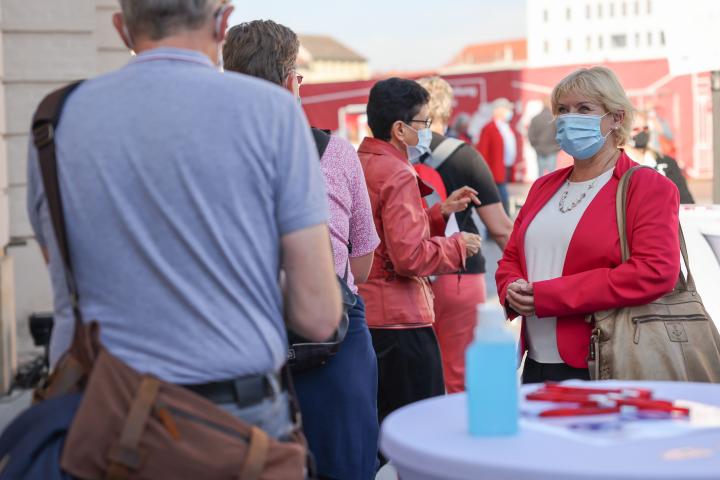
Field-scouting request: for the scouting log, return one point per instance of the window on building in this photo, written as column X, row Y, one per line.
column 568, row 13
column 600, row 42
column 624, row 9
column 637, row 7
column 637, row 39
column 612, row 10
column 662, row 38
column 546, row 16
column 588, row 43
column 568, row 44
column 588, row 11
column 649, row 7
column 619, row 41
column 599, row 10
column 649, row 39
column 546, row 46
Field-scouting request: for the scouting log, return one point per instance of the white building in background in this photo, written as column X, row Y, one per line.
column 325, row 59
column 488, row 56
column 562, row 32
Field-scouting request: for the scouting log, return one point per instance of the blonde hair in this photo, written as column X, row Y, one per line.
column 602, row 86
column 441, row 98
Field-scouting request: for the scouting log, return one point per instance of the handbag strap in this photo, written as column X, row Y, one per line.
column 125, row 455
column 621, row 212
column 257, row 455
column 44, row 126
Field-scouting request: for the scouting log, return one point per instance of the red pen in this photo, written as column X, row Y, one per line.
column 654, row 405
column 635, row 392
column 578, row 412
column 560, row 398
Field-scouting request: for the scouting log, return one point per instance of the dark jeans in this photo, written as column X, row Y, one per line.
column 409, row 367
column 338, row 405
column 504, row 196
column 536, row 372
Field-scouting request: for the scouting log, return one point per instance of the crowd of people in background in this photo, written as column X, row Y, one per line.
column 203, row 220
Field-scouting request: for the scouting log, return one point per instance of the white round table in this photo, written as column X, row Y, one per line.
column 428, row 440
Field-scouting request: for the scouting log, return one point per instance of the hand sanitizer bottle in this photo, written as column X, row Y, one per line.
column 491, row 376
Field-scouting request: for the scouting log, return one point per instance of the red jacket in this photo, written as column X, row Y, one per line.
column 492, row 148
column 396, row 294
column 593, row 276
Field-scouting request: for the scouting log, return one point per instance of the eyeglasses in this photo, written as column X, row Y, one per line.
column 427, row 122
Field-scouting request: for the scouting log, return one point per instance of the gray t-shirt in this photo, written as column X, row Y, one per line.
column 178, row 183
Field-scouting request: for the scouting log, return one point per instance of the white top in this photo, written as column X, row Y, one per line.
column 546, row 243
column 509, row 143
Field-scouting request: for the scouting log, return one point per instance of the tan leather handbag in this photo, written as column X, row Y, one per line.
column 672, row 338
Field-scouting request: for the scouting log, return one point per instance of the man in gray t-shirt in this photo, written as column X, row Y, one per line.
column 185, row 191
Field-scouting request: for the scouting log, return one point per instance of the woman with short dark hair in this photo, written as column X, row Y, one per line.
column 412, row 247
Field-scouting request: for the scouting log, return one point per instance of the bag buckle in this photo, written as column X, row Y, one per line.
column 124, row 456
column 43, row 135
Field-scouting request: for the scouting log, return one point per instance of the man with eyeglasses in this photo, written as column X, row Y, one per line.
column 338, row 399
column 412, row 247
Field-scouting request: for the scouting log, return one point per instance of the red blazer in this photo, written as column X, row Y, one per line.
column 492, row 149
column 593, row 276
column 412, row 241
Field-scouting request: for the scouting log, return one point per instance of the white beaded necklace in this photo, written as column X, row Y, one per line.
column 563, row 197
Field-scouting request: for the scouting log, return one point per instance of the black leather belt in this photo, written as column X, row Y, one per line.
column 243, row 391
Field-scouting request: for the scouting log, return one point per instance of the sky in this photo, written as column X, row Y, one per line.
column 399, row 34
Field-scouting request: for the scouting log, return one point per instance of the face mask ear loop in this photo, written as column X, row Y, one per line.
column 417, row 133
column 612, row 129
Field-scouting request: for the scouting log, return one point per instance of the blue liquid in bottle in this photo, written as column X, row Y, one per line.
column 491, row 376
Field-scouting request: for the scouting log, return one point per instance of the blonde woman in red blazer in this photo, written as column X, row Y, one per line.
column 563, row 258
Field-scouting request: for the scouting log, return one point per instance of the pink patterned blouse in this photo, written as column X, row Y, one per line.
column 350, row 214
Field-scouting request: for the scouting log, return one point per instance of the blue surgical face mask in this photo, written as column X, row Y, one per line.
column 423, row 145
column 580, row 136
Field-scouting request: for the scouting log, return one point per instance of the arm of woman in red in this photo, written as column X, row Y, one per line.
column 437, row 221
column 651, row 271
column 510, row 267
column 411, row 249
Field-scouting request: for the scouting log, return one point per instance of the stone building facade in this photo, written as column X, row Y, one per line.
column 44, row 44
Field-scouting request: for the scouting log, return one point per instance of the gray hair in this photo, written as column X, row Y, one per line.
column 158, row 19
column 462, row 119
column 502, row 102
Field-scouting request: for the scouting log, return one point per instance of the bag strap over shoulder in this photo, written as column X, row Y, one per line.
column 621, row 212
column 44, row 126
column 442, row 152
column 45, row 122
column 322, row 139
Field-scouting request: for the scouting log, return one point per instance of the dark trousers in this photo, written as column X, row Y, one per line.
column 504, row 196
column 536, row 372
column 338, row 405
column 409, row 367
